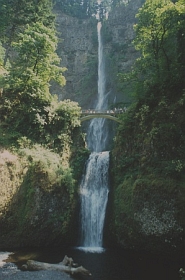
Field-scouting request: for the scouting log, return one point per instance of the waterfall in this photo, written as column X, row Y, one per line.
column 94, row 185
column 94, row 193
column 97, row 133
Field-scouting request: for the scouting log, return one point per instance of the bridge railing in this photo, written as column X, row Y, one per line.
column 115, row 111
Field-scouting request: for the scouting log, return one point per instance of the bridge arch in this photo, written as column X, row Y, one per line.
column 106, row 116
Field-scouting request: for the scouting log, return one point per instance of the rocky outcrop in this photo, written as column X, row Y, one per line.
column 157, row 217
column 153, row 221
column 38, row 200
column 148, row 216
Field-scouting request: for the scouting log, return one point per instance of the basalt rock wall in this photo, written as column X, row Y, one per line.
column 78, row 49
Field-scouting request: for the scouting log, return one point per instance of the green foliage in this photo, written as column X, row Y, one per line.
column 148, row 156
column 152, row 135
column 78, row 159
column 46, row 179
column 14, row 15
column 69, row 111
column 48, row 165
column 135, row 193
column 182, row 273
column 29, row 114
column 123, row 212
column 2, row 55
column 146, row 144
column 124, row 198
column 8, row 137
column 159, row 37
column 26, row 106
column 36, row 62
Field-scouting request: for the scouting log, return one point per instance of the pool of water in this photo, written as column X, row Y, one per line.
column 109, row 264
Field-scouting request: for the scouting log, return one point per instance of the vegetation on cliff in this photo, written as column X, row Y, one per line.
column 148, row 157
column 40, row 136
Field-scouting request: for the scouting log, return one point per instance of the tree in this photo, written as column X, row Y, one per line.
column 159, row 26
column 15, row 14
column 26, row 87
column 36, row 62
column 153, row 133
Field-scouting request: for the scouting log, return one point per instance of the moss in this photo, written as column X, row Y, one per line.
column 42, row 207
column 140, row 213
column 123, row 212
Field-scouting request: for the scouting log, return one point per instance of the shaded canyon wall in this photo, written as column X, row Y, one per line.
column 78, row 48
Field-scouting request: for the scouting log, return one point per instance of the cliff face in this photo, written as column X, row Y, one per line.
column 119, row 50
column 78, row 48
column 79, row 55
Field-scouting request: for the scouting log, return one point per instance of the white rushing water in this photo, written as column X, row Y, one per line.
column 94, row 194
column 3, row 257
column 94, row 186
column 97, row 133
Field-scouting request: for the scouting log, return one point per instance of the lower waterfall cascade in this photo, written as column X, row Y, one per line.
column 94, row 191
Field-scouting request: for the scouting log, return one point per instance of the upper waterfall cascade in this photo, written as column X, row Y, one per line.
column 97, row 133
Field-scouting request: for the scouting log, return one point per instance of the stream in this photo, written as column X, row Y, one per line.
column 111, row 264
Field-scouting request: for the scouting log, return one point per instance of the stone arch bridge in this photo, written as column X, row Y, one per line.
column 108, row 114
